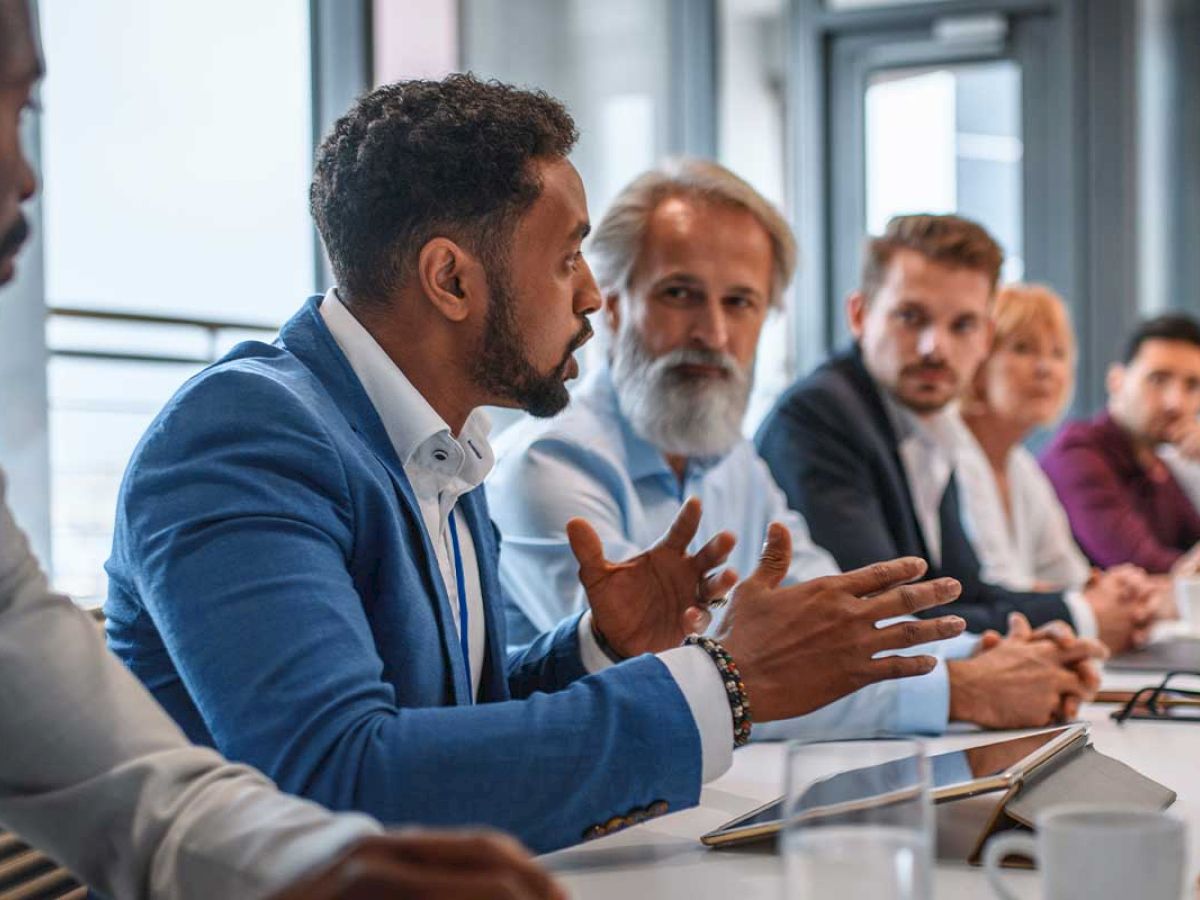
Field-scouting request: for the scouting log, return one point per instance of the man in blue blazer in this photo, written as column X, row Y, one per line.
column 304, row 571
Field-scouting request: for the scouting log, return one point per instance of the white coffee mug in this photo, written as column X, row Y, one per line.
column 1097, row 853
column 1187, row 601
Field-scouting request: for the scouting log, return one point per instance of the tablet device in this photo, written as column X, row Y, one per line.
column 960, row 773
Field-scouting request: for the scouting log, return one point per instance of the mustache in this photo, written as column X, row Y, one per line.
column 14, row 237
column 922, row 367
column 699, row 357
column 584, row 335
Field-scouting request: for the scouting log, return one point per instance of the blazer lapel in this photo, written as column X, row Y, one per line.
column 864, row 386
column 306, row 336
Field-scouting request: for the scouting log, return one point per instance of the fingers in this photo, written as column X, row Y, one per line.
column 1080, row 650
column 776, row 557
column 714, row 587
column 891, row 667
column 879, row 576
column 909, row 599
column 914, row 632
column 1019, row 627
column 588, row 549
column 715, row 552
column 685, row 526
column 696, row 620
column 459, row 850
column 989, row 639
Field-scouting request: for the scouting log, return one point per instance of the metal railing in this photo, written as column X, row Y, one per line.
column 212, row 329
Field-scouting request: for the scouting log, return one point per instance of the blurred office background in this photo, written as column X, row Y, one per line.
column 176, row 142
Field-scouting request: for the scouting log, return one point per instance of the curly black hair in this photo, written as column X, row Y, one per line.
column 420, row 159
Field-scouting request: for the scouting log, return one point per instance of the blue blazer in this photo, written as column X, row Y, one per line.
column 830, row 446
column 272, row 583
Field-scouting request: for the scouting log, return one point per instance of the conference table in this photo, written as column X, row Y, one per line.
column 663, row 858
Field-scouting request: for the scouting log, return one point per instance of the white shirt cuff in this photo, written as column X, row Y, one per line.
column 923, row 703
column 590, row 652
column 702, row 688
column 1082, row 615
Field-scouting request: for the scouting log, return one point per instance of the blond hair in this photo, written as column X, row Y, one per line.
column 1024, row 309
column 617, row 240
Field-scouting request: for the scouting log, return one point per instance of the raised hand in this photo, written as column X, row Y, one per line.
column 651, row 602
column 434, row 865
column 806, row 645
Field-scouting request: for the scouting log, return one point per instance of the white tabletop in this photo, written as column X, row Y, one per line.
column 663, row 858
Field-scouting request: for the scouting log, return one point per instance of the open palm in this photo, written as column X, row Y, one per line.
column 652, row 601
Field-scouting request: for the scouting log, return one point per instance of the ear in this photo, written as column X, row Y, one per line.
column 452, row 279
column 856, row 312
column 1115, row 379
column 612, row 312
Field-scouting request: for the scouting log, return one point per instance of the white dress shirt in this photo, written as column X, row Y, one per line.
column 1031, row 550
column 419, row 435
column 1185, row 470
column 931, row 449
column 927, row 451
column 96, row 775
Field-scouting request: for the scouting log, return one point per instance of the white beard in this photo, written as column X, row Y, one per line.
column 680, row 415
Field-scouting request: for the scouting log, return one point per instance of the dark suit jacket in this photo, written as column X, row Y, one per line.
column 831, row 447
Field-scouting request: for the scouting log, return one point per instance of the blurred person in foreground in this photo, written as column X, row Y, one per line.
column 691, row 260
column 1013, row 518
column 96, row 775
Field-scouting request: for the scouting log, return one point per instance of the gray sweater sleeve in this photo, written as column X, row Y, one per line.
column 93, row 773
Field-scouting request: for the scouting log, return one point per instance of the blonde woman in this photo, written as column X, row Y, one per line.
column 1010, row 511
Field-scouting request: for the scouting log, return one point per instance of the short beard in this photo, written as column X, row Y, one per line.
column 680, row 415
column 501, row 363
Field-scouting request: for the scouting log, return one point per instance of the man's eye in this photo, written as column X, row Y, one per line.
column 965, row 326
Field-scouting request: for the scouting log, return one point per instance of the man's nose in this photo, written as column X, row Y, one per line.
column 931, row 342
column 587, row 294
column 709, row 327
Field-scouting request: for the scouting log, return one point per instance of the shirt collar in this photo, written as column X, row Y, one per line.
column 936, row 432
column 418, row 434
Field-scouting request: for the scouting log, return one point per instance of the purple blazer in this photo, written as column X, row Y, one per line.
column 1119, row 512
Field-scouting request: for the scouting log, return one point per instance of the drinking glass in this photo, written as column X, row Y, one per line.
column 858, row 822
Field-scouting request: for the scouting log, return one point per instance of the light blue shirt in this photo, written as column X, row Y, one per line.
column 588, row 462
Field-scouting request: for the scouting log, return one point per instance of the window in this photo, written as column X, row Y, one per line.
column 176, row 151
column 948, row 139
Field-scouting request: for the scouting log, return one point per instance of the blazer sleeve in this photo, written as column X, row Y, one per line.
column 822, row 468
column 94, row 773
column 240, row 543
column 827, row 480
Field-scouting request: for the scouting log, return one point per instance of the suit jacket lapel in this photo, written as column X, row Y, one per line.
column 865, row 386
column 306, row 336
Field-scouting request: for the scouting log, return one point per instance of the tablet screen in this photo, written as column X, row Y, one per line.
column 947, row 771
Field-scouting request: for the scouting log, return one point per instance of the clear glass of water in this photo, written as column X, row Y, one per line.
column 858, row 822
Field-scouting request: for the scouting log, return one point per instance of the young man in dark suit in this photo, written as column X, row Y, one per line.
column 860, row 448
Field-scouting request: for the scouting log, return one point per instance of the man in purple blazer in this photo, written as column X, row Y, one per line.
column 1123, row 502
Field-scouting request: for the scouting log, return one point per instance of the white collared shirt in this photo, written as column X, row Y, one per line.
column 420, row 437
column 927, row 451
column 440, row 466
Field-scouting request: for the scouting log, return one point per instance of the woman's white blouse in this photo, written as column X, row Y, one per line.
column 1033, row 550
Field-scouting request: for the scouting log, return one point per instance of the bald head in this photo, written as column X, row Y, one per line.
column 20, row 68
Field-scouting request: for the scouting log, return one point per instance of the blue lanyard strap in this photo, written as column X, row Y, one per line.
column 464, row 634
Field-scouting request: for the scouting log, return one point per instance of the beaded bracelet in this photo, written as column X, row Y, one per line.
column 739, row 701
